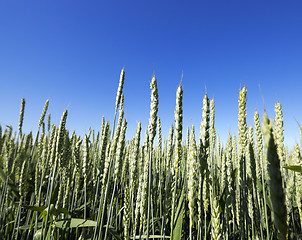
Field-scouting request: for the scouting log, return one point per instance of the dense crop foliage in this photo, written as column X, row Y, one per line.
column 57, row 185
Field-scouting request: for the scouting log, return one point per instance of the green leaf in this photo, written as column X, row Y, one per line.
column 64, row 211
column 34, row 208
column 295, row 168
column 26, row 227
column 75, row 223
column 81, row 208
column 52, row 211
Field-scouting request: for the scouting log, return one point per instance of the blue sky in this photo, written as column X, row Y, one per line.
column 72, row 52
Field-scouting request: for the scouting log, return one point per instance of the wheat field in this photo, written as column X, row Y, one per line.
column 58, row 185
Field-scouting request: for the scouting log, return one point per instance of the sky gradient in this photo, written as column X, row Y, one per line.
column 72, row 52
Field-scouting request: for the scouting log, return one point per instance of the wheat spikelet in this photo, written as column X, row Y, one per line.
column 204, row 138
column 242, row 125
column 153, row 110
column 170, row 149
column 178, row 130
column 126, row 215
column 43, row 113
column 212, row 126
column 216, row 227
column 119, row 151
column 120, row 89
column 192, row 176
column 259, row 146
column 145, row 181
column 134, row 158
column 21, row 115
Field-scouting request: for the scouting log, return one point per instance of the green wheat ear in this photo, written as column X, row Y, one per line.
column 278, row 132
column 43, row 113
column 242, row 125
column 153, row 110
column 120, row 89
column 178, row 129
column 178, row 115
column 259, row 146
column 192, row 176
column 21, row 115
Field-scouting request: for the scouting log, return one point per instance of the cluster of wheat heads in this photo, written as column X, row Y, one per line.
column 58, row 185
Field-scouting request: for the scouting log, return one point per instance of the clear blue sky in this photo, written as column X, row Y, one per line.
column 72, row 52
